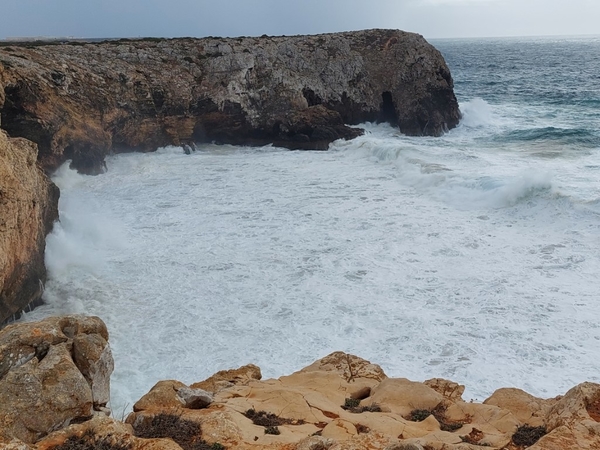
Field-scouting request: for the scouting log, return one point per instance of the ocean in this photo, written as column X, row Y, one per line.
column 473, row 256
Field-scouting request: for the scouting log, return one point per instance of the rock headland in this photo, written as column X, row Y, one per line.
column 81, row 101
column 59, row 368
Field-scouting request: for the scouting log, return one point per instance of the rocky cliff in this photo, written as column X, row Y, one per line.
column 28, row 208
column 60, row 368
column 81, row 101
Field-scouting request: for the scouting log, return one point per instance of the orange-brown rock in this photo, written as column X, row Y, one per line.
column 340, row 402
column 80, row 101
column 42, row 386
column 526, row 408
column 227, row 378
column 28, row 208
column 102, row 432
column 322, row 400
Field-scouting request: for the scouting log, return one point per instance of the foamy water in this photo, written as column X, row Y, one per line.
column 472, row 257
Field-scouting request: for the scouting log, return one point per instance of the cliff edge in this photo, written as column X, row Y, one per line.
column 28, row 208
column 60, row 368
column 81, row 101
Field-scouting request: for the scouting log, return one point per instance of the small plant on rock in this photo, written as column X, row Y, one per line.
column 272, row 430
column 89, row 441
column 526, row 436
column 419, row 415
column 184, row 432
column 351, row 403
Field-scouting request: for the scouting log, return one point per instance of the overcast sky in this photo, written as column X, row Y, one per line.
column 172, row 18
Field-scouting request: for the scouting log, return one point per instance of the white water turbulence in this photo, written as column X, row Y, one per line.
column 472, row 257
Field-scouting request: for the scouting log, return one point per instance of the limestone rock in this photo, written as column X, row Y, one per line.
column 347, row 366
column 404, row 446
column 194, row 398
column 525, row 407
column 82, row 101
column 579, row 404
column 401, row 396
column 94, row 359
column 228, row 378
column 38, row 373
column 306, row 410
column 103, row 432
column 580, row 436
column 163, row 395
column 449, row 389
column 28, row 208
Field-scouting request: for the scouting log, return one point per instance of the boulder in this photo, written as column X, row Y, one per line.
column 38, row 372
column 525, row 407
column 28, row 209
column 81, row 101
column 227, row 378
column 172, row 394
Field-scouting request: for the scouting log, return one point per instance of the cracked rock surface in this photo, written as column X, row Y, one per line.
column 52, row 372
column 340, row 402
column 80, row 101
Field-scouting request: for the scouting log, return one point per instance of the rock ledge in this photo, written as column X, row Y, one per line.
column 340, row 402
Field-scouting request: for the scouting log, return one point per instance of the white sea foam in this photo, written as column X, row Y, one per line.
column 431, row 257
column 477, row 113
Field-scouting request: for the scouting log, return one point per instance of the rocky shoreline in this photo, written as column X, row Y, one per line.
column 60, row 369
column 81, row 101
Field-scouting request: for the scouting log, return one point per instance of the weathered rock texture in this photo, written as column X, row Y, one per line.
column 59, row 368
column 343, row 402
column 51, row 373
column 82, row 101
column 28, row 208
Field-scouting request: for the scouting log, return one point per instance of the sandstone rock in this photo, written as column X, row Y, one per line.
column 449, row 389
column 314, row 443
column 80, row 102
column 38, row 373
column 578, row 436
column 94, row 359
column 307, row 407
column 339, row 430
column 228, row 378
column 101, row 433
column 347, row 366
column 401, row 396
column 28, row 208
column 163, row 395
column 525, row 407
column 579, row 404
column 404, row 446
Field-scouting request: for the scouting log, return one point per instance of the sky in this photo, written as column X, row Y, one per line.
column 198, row 18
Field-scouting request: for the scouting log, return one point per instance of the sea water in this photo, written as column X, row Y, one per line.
column 473, row 256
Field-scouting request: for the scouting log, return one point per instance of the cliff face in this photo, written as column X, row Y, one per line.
column 82, row 101
column 28, row 208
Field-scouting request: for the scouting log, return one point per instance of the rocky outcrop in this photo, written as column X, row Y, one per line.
column 52, row 373
column 80, row 101
column 59, row 368
column 28, row 208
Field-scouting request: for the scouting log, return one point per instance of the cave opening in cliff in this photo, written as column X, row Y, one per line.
column 388, row 109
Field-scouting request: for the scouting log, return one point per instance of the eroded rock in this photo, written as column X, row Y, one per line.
column 28, row 208
column 82, row 101
column 39, row 374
